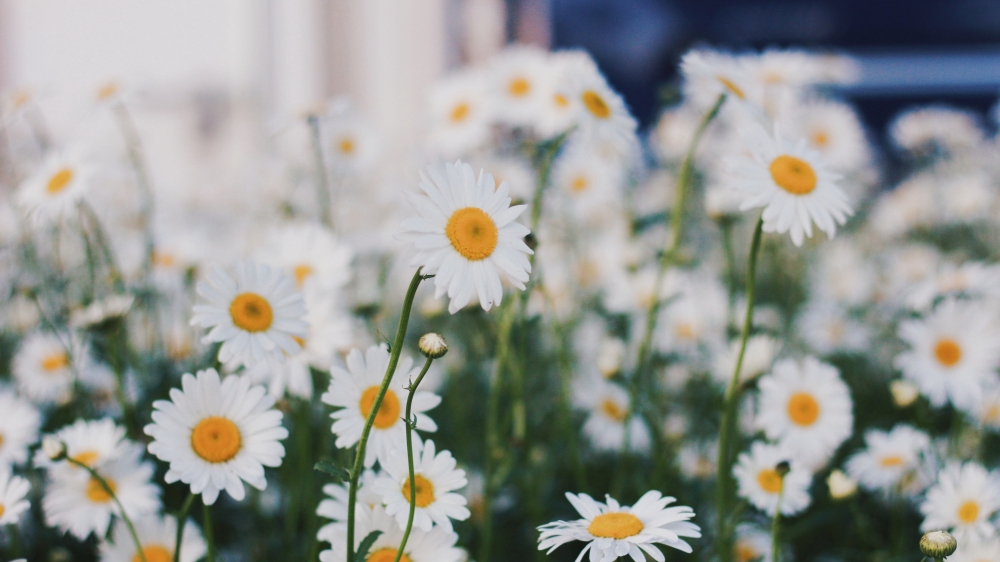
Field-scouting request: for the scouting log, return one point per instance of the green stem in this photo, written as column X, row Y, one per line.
column 322, row 181
column 730, row 402
column 411, row 427
column 102, row 242
column 726, row 225
column 775, row 523
column 397, row 348
column 133, row 145
column 111, row 493
column 15, row 540
column 209, row 532
column 181, row 520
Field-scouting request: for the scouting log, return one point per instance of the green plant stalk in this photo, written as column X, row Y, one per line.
column 775, row 523
column 410, row 427
column 322, row 180
column 133, row 146
column 727, row 426
column 102, row 242
column 397, row 348
column 209, row 532
column 107, row 489
column 15, row 540
column 181, row 520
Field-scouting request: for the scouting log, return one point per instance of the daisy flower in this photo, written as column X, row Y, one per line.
column 753, row 544
column 436, row 479
column 835, row 131
column 709, row 74
column 977, row 551
column 757, row 359
column 601, row 113
column 929, row 129
column 13, row 491
column 157, row 535
column 587, row 184
column 354, row 391
column 828, row 327
column 558, row 112
column 351, row 143
column 334, row 506
column 963, row 501
column 79, row 504
column 217, row 434
column 311, row 254
column 54, row 191
column 436, row 545
column 791, row 182
column 257, row 316
column 614, row 531
column 952, row 355
column 608, row 422
column 43, row 368
column 465, row 235
column 760, row 484
column 892, row 460
column 461, row 111
column 19, row 426
column 807, row 407
column 91, row 443
column 517, row 81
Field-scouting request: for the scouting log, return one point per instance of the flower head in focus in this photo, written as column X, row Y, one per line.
column 435, row 479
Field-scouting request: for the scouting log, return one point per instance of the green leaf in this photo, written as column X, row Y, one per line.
column 334, row 470
column 366, row 545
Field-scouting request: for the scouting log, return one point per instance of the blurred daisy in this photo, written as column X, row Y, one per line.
column 971, row 278
column 465, row 234
column 835, row 131
column 761, row 485
column 987, row 408
column 19, row 426
column 586, row 183
column 79, row 504
column 558, row 111
column 54, row 191
column 601, row 113
column 518, row 80
column 436, row 545
column 42, row 368
column 608, row 422
column 753, row 544
column 892, row 460
column 13, row 497
column 697, row 461
column 157, row 535
column 791, row 182
column 88, row 442
column 963, row 501
column 354, row 391
column 257, row 316
column 351, row 143
column 807, row 407
column 461, row 112
column 311, row 254
column 757, row 359
column 616, row 531
column 952, row 355
column 436, row 480
column 977, row 551
column 843, row 273
column 709, row 74
column 334, row 506
column 694, row 319
column 217, row 434
column 829, row 328
column 927, row 130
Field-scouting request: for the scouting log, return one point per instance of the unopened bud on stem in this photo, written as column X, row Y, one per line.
column 54, row 448
column 938, row 544
column 433, row 345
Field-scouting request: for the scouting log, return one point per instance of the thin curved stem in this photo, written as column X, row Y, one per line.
column 133, row 145
column 181, row 519
column 775, row 524
column 209, row 532
column 397, row 348
column 410, row 427
column 111, row 493
column 730, row 403
column 322, row 180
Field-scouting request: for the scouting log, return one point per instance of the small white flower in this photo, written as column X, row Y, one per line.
column 608, row 422
column 461, row 111
column 760, row 484
column 757, row 359
column 976, row 551
column 19, row 426
column 436, row 480
column 157, row 535
column 13, row 493
column 436, row 545
column 518, row 81
column 311, row 254
column 54, row 191
column 893, row 461
column 334, row 506
column 964, row 501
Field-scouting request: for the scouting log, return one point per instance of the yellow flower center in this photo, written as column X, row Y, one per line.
column 251, row 312
column 746, row 552
column 770, row 481
column 615, row 526
column 107, row 91
column 948, row 352
column 992, row 415
column 685, row 331
column 596, row 105
column 346, row 145
column 97, row 493
column 578, row 184
column 87, row 458
column 820, row 139
column 968, row 512
column 792, row 174
column 164, row 259
column 216, row 439
column 459, row 113
column 425, row 490
column 386, row 555
column 59, row 181
column 803, row 409
column 302, row 271
column 519, row 87
column 731, row 87
column 2, row 509
column 560, row 101
column 154, row 553
column 613, row 410
column 1, row 440
column 472, row 233
column 892, row 461
column 388, row 412
column 55, row 362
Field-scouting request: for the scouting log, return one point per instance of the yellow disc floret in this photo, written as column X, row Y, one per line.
column 794, row 175
column 615, row 526
column 302, row 271
column 731, row 87
column 59, row 181
column 154, row 553
column 97, row 493
column 803, row 409
column 386, row 555
column 596, row 105
column 425, row 490
column 472, row 233
column 770, row 481
column 613, row 410
column 54, row 362
column 251, row 312
column 216, row 439
column 968, row 512
column 388, row 412
column 948, row 352
column 519, row 87
column 459, row 112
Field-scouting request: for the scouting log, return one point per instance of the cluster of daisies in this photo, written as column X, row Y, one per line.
column 627, row 315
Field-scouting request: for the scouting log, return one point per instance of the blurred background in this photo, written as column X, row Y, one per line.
column 215, row 84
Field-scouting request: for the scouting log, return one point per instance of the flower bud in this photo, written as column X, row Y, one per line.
column 904, row 393
column 938, row 544
column 54, row 448
column 783, row 468
column 841, row 485
column 433, row 345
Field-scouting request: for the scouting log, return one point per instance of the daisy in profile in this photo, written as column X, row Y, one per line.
column 354, row 391
column 465, row 234
column 760, row 483
column 892, row 460
column 311, row 254
column 952, row 356
column 461, row 111
column 709, row 74
column 217, row 434
column 77, row 503
column 807, row 408
column 791, row 182
column 615, row 531
column 608, row 421
column 436, row 480
column 19, row 426
column 964, row 501
column 54, row 191
column 436, row 545
column 91, row 443
column 13, row 497
column 757, row 359
column 257, row 316
column 334, row 505
column 157, row 535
